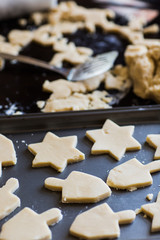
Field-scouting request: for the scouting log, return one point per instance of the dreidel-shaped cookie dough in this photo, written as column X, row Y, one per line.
column 153, row 210
column 154, row 141
column 28, row 225
column 79, row 187
column 132, row 174
column 56, row 152
column 100, row 222
column 8, row 201
column 7, row 153
column 113, row 139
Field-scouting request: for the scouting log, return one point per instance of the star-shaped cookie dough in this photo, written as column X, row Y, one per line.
column 55, row 151
column 154, row 141
column 100, row 222
column 7, row 153
column 153, row 211
column 113, row 139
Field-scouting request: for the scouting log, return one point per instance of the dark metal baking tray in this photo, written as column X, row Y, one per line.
column 21, row 85
column 27, row 129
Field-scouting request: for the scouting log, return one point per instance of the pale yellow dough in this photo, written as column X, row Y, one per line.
column 28, row 225
column 132, row 174
column 8, row 201
column 154, row 141
column 100, row 222
column 7, row 153
column 153, row 211
column 55, row 151
column 79, row 187
column 113, row 139
column 20, row 37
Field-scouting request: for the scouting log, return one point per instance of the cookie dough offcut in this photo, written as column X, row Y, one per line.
column 79, row 187
column 7, row 153
column 113, row 139
column 55, row 151
column 100, row 222
column 132, row 174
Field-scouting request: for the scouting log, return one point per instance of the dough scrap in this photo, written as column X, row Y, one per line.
column 7, row 153
column 78, row 101
column 28, row 225
column 79, row 187
column 113, row 139
column 8, row 201
column 7, row 47
column 149, row 196
column 143, row 63
column 55, row 151
column 20, row 37
column 118, row 78
column 100, row 222
column 153, row 211
column 132, row 174
column 62, row 88
column 70, row 53
column 154, row 141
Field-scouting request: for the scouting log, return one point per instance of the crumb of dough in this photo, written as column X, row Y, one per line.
column 20, row 37
column 149, row 196
column 131, row 189
column 40, row 104
column 22, row 22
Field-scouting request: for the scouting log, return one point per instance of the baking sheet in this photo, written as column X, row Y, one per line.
column 21, row 85
column 32, row 192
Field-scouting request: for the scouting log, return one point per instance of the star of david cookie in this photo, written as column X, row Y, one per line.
column 55, row 151
column 113, row 139
column 153, row 211
column 132, row 174
column 100, row 222
column 7, row 153
column 28, row 225
column 79, row 187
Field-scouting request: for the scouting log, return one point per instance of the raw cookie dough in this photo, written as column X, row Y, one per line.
column 55, row 151
column 149, row 196
column 113, row 139
column 79, row 187
column 7, row 153
column 154, row 141
column 100, row 222
column 20, row 37
column 8, row 201
column 132, row 174
column 153, row 211
column 28, row 225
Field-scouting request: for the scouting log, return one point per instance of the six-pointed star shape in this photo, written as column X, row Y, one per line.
column 113, row 139
column 153, row 210
column 55, row 151
column 154, row 141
